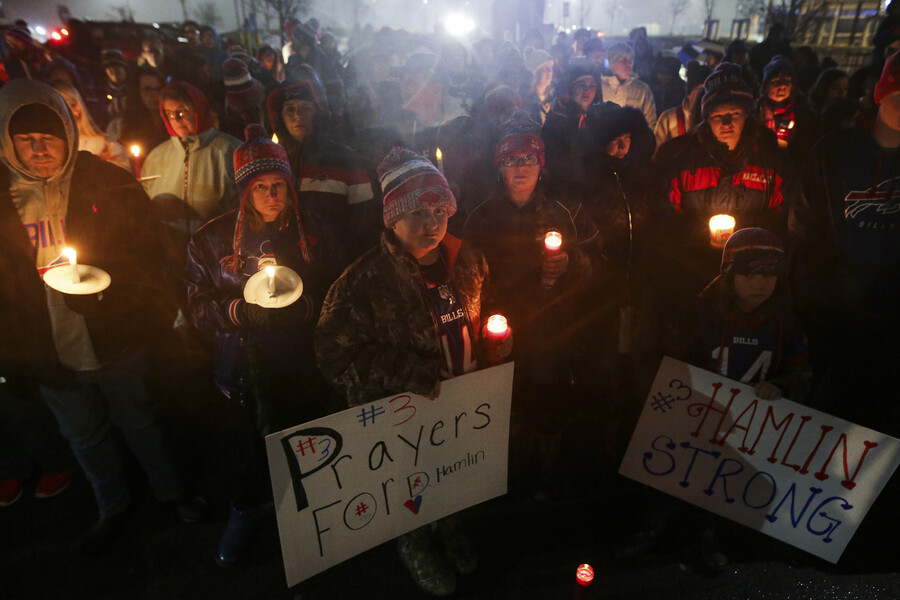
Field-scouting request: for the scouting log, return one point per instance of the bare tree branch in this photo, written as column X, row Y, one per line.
column 677, row 7
column 207, row 13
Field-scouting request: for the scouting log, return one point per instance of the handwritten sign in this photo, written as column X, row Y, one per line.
column 791, row 472
column 350, row 481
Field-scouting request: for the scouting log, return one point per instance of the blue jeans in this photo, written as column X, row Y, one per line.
column 89, row 407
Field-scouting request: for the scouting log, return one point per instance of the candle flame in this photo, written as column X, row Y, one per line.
column 275, row 137
column 136, row 151
column 438, row 154
column 720, row 222
column 496, row 325
column 270, row 271
column 584, row 574
column 70, row 254
column 553, row 241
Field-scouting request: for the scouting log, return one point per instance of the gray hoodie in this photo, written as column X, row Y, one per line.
column 42, row 204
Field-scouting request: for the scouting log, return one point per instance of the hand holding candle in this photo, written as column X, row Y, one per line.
column 555, row 260
column 720, row 229
column 498, row 338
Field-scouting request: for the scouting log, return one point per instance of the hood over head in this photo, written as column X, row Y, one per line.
column 203, row 117
column 18, row 94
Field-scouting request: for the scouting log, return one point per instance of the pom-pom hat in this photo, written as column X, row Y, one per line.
column 254, row 158
column 410, row 183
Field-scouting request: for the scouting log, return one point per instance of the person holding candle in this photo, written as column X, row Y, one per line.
column 783, row 109
column 519, row 227
column 264, row 358
column 729, row 164
column 86, row 354
column 405, row 316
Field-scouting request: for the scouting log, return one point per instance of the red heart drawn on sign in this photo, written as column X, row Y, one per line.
column 413, row 504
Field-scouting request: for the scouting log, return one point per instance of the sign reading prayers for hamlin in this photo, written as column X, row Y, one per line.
column 358, row 478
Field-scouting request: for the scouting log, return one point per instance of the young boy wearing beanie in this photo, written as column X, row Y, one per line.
column 741, row 326
column 403, row 317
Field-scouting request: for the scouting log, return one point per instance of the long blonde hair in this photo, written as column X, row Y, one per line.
column 86, row 125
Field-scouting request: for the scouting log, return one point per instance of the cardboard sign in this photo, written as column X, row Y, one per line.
column 791, row 472
column 350, row 481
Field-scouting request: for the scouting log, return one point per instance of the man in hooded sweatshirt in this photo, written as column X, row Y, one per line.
column 85, row 352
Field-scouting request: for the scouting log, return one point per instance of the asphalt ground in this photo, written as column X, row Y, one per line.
column 528, row 549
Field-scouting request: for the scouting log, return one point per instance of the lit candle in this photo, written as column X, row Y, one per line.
column 497, row 327
column 552, row 245
column 440, row 158
column 584, row 576
column 270, row 271
column 275, row 137
column 720, row 229
column 136, row 160
column 553, row 241
column 73, row 263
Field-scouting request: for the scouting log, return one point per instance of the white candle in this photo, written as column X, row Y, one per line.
column 270, row 271
column 73, row 263
column 720, row 229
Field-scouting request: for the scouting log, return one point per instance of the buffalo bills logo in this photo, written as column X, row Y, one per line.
column 883, row 200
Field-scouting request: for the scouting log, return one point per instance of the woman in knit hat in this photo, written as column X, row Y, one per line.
column 782, row 108
column 405, row 316
column 265, row 364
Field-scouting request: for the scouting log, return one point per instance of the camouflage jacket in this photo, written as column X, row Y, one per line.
column 377, row 334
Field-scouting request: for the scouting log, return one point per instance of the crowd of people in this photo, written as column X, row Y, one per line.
column 411, row 185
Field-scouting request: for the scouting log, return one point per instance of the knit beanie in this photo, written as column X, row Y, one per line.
column 410, row 183
column 776, row 66
column 36, row 118
column 241, row 90
column 753, row 251
column 890, row 78
column 617, row 51
column 535, row 58
column 726, row 85
column 20, row 34
column 520, row 134
column 254, row 158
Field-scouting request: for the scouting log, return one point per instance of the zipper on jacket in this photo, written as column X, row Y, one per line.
column 187, row 206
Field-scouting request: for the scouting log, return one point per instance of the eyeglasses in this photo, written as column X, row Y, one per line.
column 265, row 190
column 529, row 160
column 178, row 115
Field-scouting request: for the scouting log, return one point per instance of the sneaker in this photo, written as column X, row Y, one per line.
column 10, row 491
column 239, row 532
column 428, row 569
column 50, row 485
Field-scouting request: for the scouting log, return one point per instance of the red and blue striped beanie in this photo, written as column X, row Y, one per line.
column 410, row 183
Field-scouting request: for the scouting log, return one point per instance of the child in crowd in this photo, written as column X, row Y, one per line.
column 741, row 325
